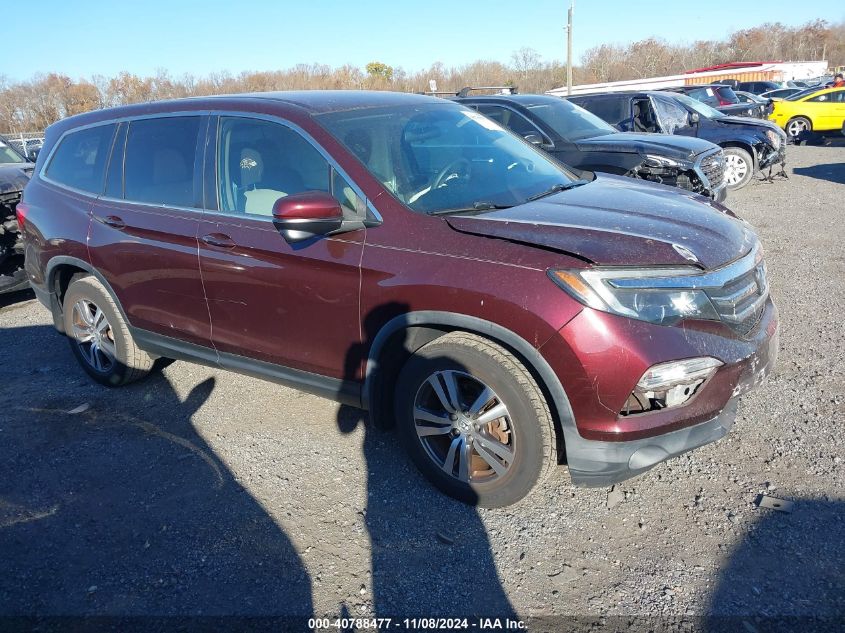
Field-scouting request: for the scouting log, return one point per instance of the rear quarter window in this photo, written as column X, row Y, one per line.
column 80, row 159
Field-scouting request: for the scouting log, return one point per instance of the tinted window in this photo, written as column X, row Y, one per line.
column 613, row 110
column 80, row 159
column 509, row 119
column 261, row 161
column 159, row 163
column 569, row 120
column 705, row 95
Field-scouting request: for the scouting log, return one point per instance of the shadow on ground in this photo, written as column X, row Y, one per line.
column 788, row 574
column 832, row 172
column 123, row 509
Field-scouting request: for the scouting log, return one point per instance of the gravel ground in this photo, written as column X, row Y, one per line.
column 200, row 492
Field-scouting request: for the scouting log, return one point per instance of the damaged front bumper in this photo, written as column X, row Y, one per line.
column 704, row 176
column 605, row 445
column 595, row 463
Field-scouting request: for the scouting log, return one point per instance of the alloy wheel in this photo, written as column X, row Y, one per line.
column 464, row 427
column 93, row 335
column 736, row 169
column 794, row 128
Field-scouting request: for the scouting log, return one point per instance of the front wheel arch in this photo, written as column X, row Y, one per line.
column 419, row 328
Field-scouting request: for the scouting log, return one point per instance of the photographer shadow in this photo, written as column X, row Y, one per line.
column 113, row 504
column 431, row 556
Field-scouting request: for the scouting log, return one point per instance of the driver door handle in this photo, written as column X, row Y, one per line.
column 112, row 221
column 218, row 239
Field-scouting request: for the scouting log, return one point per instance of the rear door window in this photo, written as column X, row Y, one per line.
column 80, row 159
column 160, row 161
column 611, row 109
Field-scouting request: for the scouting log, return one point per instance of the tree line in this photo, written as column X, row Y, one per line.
column 34, row 104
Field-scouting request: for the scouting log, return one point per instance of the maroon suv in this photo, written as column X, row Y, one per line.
column 406, row 255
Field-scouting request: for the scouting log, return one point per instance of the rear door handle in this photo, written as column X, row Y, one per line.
column 112, row 221
column 219, row 239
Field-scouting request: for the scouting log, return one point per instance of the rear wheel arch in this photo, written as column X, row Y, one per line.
column 400, row 337
column 60, row 272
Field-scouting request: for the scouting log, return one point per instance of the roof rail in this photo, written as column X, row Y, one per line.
column 507, row 90
column 437, row 93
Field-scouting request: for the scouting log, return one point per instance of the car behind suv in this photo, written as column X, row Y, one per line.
column 15, row 171
column 582, row 140
column 750, row 144
column 406, row 255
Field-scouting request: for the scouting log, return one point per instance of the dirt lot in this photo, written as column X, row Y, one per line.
column 199, row 492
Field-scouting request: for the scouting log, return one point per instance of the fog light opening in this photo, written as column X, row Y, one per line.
column 668, row 385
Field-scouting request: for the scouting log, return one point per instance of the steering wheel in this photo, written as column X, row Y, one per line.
column 452, row 170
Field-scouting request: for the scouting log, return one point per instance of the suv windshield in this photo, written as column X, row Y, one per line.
column 571, row 122
column 440, row 157
column 702, row 108
column 9, row 155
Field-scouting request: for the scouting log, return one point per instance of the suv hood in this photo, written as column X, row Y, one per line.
column 678, row 147
column 618, row 221
column 747, row 120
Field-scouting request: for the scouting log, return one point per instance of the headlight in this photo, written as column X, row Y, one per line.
column 774, row 139
column 653, row 160
column 637, row 293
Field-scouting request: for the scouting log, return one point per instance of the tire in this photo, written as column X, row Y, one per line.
column 98, row 335
column 524, row 427
column 796, row 126
column 739, row 168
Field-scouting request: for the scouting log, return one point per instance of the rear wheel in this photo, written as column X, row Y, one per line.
column 474, row 420
column 739, row 168
column 798, row 125
column 99, row 337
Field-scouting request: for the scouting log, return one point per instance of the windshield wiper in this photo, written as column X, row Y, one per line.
column 478, row 205
column 561, row 186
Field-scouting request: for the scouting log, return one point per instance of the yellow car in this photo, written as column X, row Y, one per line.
column 816, row 111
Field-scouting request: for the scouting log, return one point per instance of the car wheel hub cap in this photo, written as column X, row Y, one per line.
column 464, row 427
column 735, row 169
column 93, row 335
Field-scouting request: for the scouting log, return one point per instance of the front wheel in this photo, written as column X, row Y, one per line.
column 474, row 420
column 739, row 168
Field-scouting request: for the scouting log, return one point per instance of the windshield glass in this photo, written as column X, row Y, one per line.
column 8, row 155
column 441, row 156
column 702, row 108
column 573, row 123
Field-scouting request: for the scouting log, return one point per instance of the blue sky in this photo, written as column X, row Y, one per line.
column 89, row 37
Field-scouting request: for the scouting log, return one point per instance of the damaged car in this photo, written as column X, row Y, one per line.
column 751, row 145
column 15, row 171
column 406, row 255
column 583, row 141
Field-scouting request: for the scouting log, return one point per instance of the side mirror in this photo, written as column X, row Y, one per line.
column 33, row 155
column 534, row 138
column 302, row 216
column 694, row 118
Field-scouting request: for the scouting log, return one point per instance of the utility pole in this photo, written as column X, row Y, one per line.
column 569, row 48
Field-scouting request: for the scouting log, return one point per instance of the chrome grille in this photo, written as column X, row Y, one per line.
column 713, row 168
column 740, row 301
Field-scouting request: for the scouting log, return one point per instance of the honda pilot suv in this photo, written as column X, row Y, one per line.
column 409, row 256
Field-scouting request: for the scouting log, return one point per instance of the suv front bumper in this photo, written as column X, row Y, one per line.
column 601, row 463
